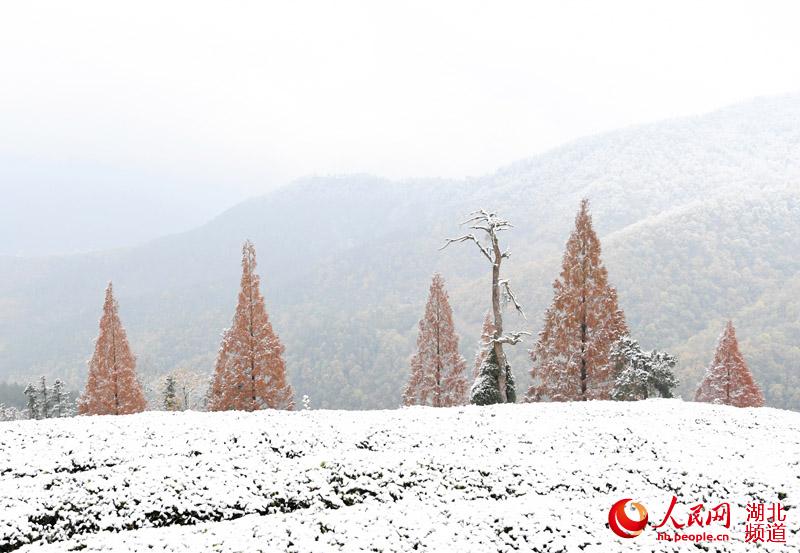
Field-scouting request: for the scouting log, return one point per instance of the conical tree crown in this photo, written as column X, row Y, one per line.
column 111, row 387
column 438, row 371
column 727, row 380
column 485, row 344
column 250, row 372
column 571, row 358
column 485, row 389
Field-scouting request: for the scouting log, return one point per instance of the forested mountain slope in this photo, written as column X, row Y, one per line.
column 698, row 217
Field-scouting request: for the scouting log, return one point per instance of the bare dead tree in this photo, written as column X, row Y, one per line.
column 490, row 224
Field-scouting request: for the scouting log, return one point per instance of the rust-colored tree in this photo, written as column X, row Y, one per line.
column 485, row 343
column 728, row 380
column 250, row 372
column 438, row 371
column 571, row 359
column 111, row 387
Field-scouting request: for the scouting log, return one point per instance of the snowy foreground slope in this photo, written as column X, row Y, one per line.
column 506, row 478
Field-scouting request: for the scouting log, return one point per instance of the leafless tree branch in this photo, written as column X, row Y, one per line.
column 504, row 284
column 468, row 238
column 491, row 224
column 512, row 338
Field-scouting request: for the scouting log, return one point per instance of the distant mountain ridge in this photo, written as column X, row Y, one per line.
column 90, row 204
column 698, row 218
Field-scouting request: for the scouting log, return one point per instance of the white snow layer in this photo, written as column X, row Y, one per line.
column 531, row 477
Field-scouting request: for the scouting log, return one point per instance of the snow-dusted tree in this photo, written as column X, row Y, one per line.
column 495, row 380
column 8, row 413
column 169, row 396
column 250, row 373
column 190, row 387
column 571, row 357
column 60, row 404
column 112, row 387
column 486, row 388
column 641, row 374
column 485, row 343
column 46, row 402
column 33, row 407
column 728, row 380
column 438, row 371
column 181, row 389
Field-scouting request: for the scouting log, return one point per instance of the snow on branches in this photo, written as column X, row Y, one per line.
column 728, row 380
column 494, row 372
column 438, row 371
column 250, row 372
column 112, row 387
column 641, row 374
column 571, row 357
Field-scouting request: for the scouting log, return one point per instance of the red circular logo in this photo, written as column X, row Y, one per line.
column 621, row 524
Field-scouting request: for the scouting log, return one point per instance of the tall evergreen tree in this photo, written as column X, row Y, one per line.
column 485, row 343
column 728, row 380
column 112, row 387
column 571, row 358
column 250, row 372
column 33, row 410
column 61, row 404
column 438, row 371
column 46, row 400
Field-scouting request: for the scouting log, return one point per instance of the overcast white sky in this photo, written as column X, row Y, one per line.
column 240, row 96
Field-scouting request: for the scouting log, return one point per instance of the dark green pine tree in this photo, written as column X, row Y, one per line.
column 485, row 389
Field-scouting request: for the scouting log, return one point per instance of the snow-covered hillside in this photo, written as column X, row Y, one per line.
column 535, row 477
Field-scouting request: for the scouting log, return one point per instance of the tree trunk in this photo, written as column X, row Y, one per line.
column 491, row 225
column 502, row 362
column 114, row 370
column 45, row 414
column 583, row 361
column 584, row 326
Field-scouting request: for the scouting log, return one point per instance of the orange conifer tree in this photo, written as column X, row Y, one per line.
column 111, row 386
column 571, row 358
column 438, row 371
column 728, row 381
column 485, row 344
column 250, row 371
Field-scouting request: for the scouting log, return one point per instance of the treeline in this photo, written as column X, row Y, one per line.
column 42, row 401
column 583, row 352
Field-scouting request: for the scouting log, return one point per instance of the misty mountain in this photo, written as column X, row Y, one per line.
column 89, row 205
column 698, row 218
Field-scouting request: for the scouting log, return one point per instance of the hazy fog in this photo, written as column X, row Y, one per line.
column 119, row 125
